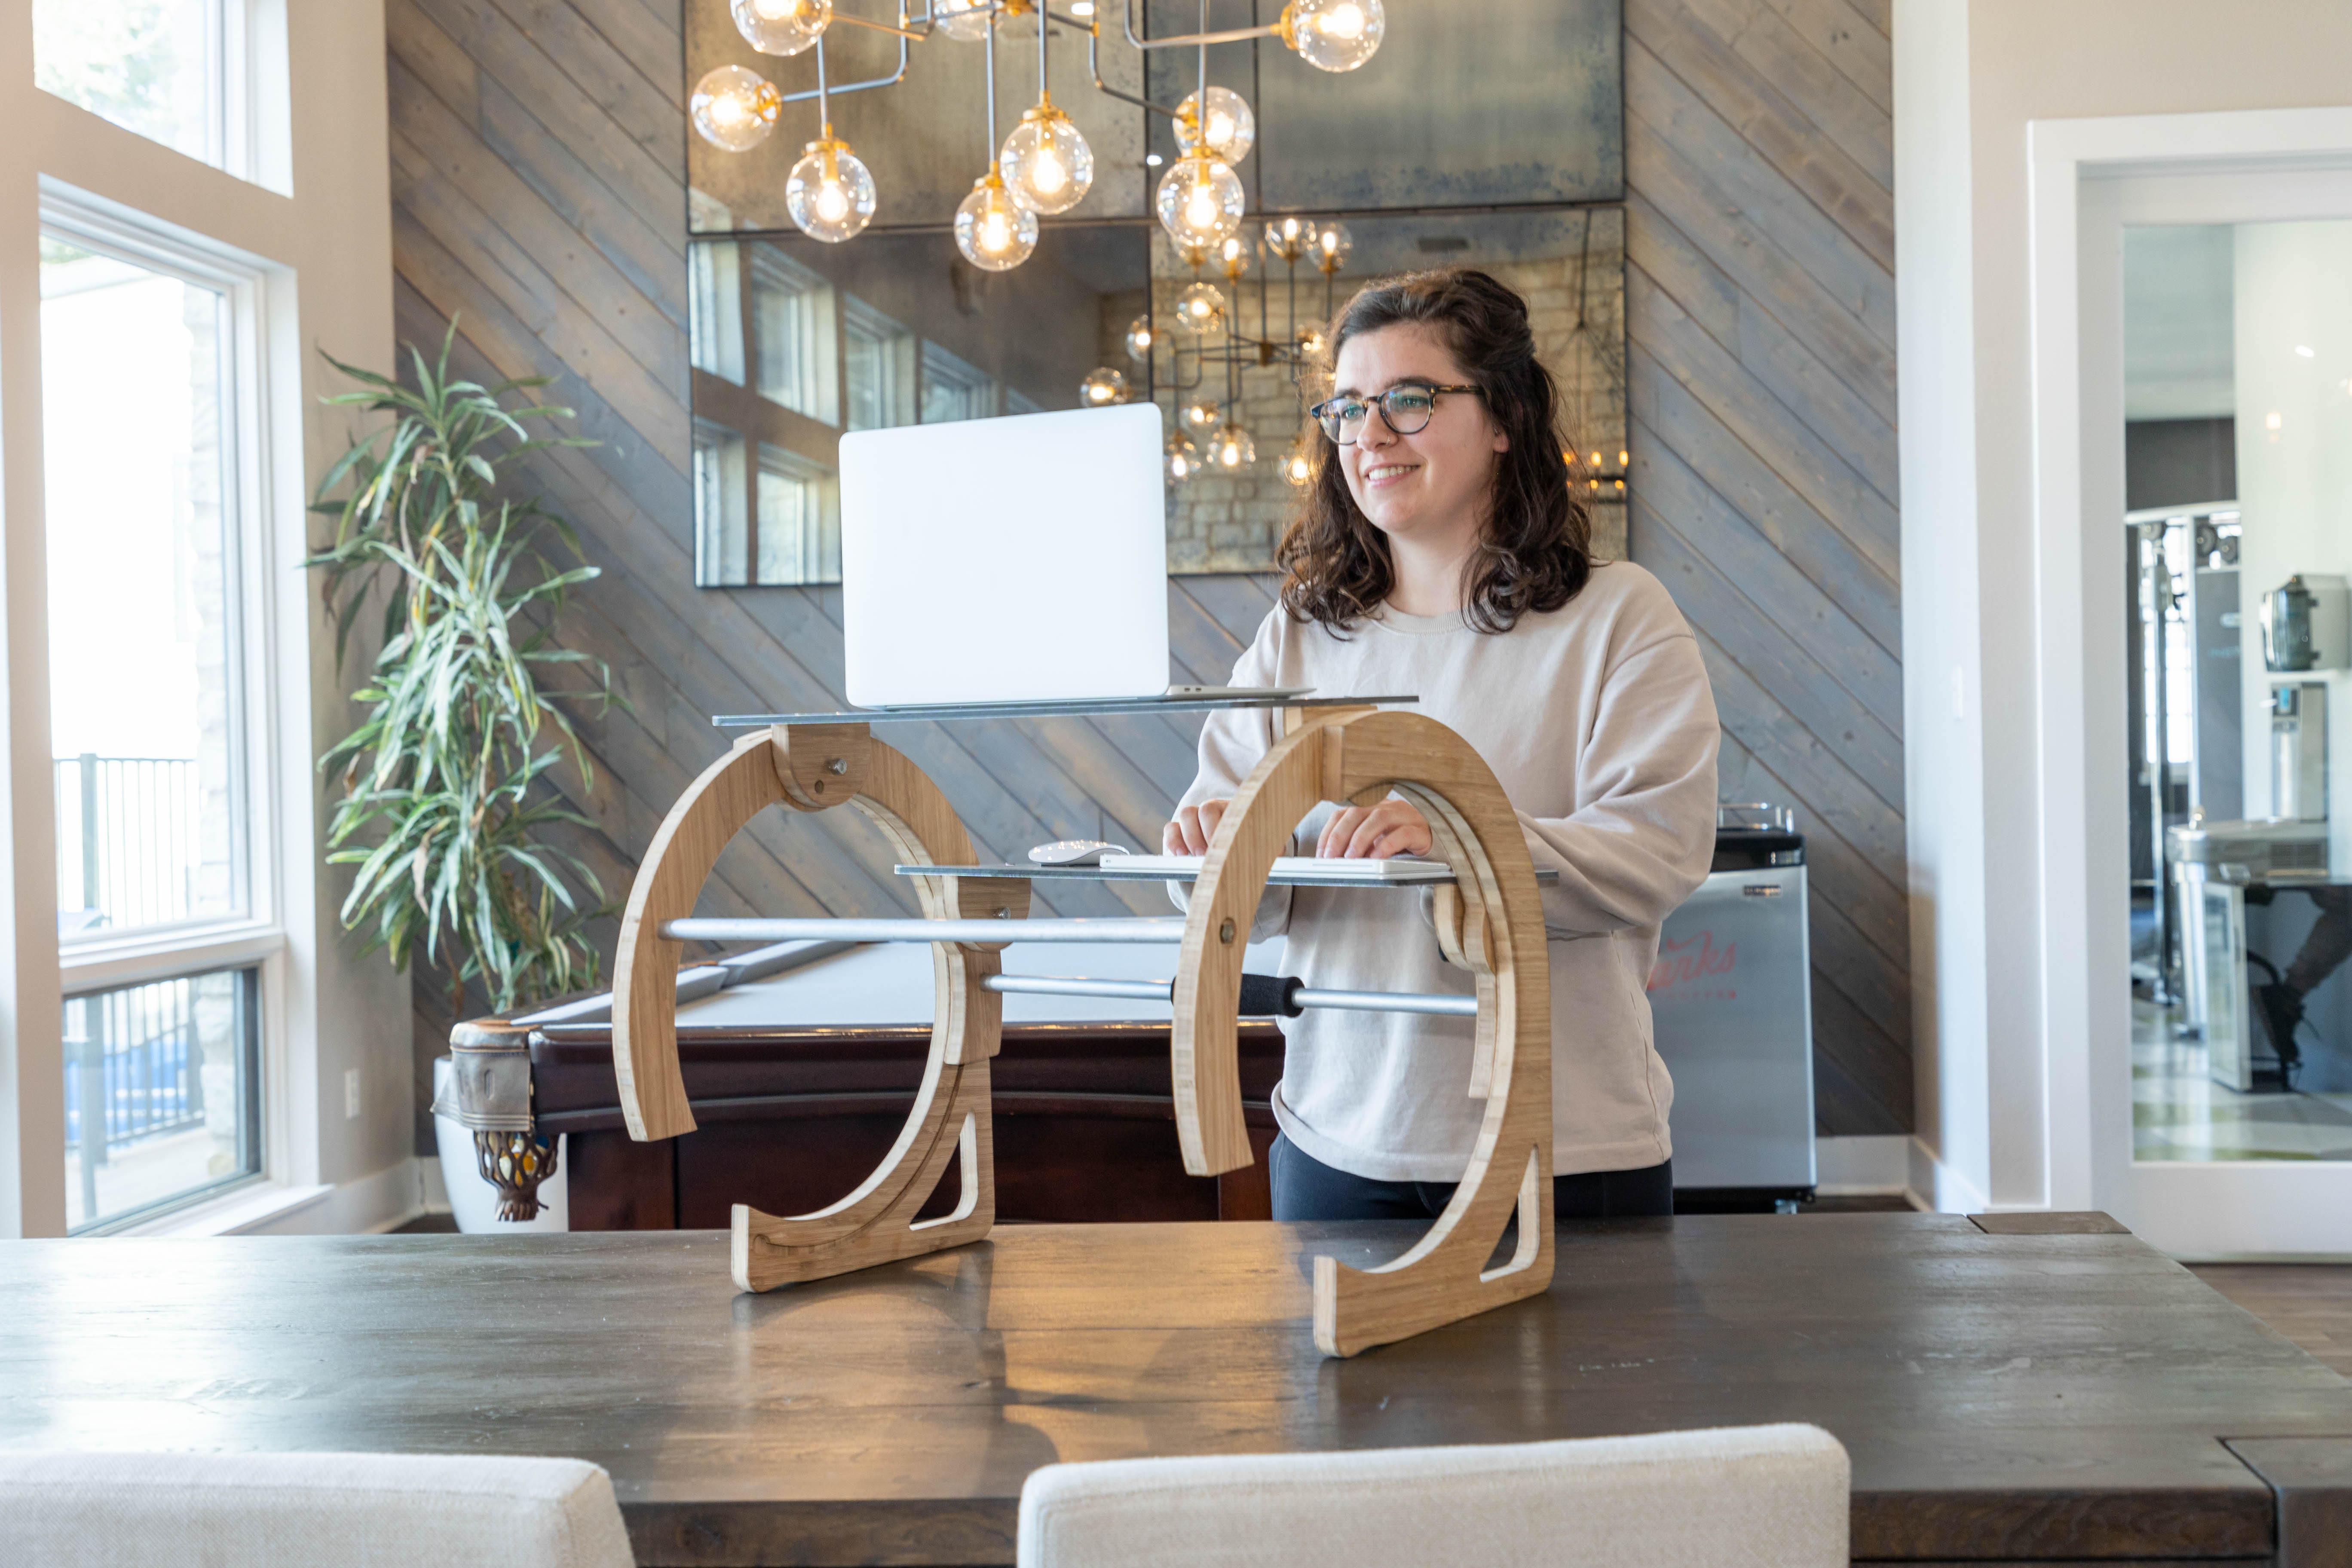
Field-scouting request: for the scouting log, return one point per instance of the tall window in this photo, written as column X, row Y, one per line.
column 149, row 723
column 878, row 361
column 792, row 311
column 953, row 389
column 714, row 311
column 204, row 78
column 800, row 520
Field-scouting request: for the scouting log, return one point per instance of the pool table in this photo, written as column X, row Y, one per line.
column 801, row 1065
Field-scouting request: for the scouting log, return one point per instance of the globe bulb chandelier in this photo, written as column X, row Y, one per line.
column 734, row 108
column 1200, row 201
column 1140, row 338
column 1101, row 388
column 1046, row 166
column 829, row 192
column 1182, row 459
column 1232, row 448
column 1200, row 415
column 1333, row 35
column 994, row 232
column 782, row 27
column 1218, row 118
column 1201, row 309
column 1288, row 236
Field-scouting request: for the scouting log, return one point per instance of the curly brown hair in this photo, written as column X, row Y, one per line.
column 1536, row 550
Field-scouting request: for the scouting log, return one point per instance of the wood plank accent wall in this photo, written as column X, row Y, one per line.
column 538, row 203
column 1761, row 314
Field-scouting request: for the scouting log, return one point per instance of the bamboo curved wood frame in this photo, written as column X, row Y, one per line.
column 818, row 768
column 1495, row 930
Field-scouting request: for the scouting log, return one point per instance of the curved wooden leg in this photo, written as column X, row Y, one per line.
column 1498, row 938
column 815, row 768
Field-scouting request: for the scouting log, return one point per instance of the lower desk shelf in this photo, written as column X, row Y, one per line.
column 799, row 1085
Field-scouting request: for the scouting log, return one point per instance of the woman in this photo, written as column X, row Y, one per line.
column 1443, row 552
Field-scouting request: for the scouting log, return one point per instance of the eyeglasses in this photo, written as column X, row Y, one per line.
column 1403, row 409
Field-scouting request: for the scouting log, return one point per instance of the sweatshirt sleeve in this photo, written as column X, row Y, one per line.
column 1642, row 837
column 1232, row 740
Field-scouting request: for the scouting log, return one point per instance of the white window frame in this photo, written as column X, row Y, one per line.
column 257, row 936
column 333, row 1021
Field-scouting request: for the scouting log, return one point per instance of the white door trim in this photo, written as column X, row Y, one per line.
column 2085, row 179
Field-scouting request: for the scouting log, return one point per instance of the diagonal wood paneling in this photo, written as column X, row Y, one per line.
column 539, row 202
column 1761, row 314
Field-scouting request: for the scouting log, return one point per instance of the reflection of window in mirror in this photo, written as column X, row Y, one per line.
column 721, row 509
column 1019, row 401
column 799, row 535
column 879, row 363
column 954, row 390
column 715, row 310
column 792, row 311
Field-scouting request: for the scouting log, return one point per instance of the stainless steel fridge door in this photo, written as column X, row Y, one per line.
column 1732, row 999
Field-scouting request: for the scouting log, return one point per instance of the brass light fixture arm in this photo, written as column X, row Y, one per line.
column 821, row 91
column 1094, row 66
column 1192, row 40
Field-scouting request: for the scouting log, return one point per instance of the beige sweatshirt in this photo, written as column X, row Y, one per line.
column 1598, row 721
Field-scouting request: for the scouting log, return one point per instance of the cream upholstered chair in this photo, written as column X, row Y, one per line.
column 1764, row 1497
column 307, row 1511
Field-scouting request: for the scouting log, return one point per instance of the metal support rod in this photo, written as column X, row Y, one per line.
column 993, row 143
column 1094, row 66
column 1429, row 1004
column 1231, row 36
column 1135, row 929
column 821, row 92
column 1389, row 1002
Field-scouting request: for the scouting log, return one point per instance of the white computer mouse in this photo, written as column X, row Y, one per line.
column 1075, row 852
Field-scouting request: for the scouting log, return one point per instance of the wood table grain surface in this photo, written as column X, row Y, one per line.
column 2012, row 1397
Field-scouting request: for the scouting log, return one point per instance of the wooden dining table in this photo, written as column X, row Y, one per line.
column 2019, row 1389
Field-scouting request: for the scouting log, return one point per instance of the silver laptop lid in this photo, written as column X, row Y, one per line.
column 1016, row 560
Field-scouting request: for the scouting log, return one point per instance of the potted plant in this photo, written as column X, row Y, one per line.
column 444, row 790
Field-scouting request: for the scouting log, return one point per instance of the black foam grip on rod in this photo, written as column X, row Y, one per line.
column 1264, row 995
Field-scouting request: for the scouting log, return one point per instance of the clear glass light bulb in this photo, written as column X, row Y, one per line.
column 1331, row 246
column 1334, row 34
column 1234, row 449
column 782, row 27
column 1183, row 459
column 1102, row 387
column 1200, row 201
column 1227, row 127
column 1233, row 255
column 1047, row 165
column 1201, row 309
column 994, row 232
column 965, row 21
column 734, row 108
column 1200, row 415
column 829, row 192
column 1311, row 341
column 1288, row 236
column 1140, row 337
column 1298, row 469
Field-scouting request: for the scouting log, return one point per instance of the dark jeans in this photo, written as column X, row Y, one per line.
column 1306, row 1188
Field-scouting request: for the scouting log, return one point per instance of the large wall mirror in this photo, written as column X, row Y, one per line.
column 1491, row 137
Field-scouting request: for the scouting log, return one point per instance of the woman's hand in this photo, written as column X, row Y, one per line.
column 1193, row 827
column 1374, row 832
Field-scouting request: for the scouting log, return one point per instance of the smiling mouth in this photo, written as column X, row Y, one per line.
column 1387, row 472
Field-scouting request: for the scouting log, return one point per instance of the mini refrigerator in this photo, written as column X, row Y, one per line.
column 1732, row 1001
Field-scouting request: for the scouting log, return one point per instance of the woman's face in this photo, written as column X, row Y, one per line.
column 1433, row 484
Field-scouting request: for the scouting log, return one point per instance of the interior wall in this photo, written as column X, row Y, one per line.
column 1761, row 314
column 538, row 201
column 1983, row 71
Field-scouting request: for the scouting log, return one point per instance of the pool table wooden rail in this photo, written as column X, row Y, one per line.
column 790, row 1117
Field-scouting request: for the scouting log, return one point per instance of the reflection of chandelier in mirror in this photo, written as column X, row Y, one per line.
column 1045, row 165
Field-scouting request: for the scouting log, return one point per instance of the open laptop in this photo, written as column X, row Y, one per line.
column 1016, row 560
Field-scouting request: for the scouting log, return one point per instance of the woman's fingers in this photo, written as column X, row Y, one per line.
column 1193, row 825
column 1359, row 833
column 1340, row 832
